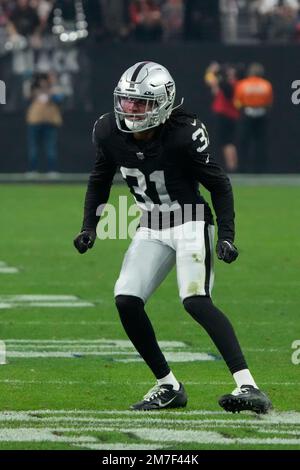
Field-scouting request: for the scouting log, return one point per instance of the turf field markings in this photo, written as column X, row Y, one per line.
column 61, row 323
column 174, row 350
column 58, row 304
column 8, row 270
column 120, row 446
column 277, row 431
column 102, row 341
column 205, row 437
column 171, row 357
column 177, row 357
column 50, row 301
column 60, row 354
column 280, row 417
column 40, row 435
column 75, row 422
column 161, row 429
column 33, row 298
column 96, row 424
column 5, row 305
column 158, row 435
column 118, row 350
column 5, row 269
column 117, row 323
column 127, row 382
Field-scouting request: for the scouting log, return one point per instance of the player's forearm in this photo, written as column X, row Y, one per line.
column 215, row 180
column 223, row 204
column 96, row 197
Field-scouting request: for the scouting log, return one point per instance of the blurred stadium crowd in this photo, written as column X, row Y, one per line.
column 227, row 21
column 49, row 60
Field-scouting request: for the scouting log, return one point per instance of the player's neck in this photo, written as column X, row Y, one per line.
column 145, row 135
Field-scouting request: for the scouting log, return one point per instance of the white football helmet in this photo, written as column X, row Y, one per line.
column 144, row 97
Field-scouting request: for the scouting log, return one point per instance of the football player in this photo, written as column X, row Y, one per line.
column 163, row 155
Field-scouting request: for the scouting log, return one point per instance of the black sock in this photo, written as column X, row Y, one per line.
column 140, row 332
column 219, row 329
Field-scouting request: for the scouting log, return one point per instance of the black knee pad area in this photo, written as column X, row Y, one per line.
column 197, row 303
column 128, row 303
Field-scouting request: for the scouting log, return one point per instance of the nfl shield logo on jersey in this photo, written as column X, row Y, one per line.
column 140, row 155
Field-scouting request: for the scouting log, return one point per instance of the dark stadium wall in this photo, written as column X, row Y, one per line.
column 104, row 64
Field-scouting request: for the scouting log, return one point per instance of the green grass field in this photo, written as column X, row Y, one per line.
column 65, row 387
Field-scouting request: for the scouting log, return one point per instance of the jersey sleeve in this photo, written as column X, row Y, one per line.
column 100, row 180
column 211, row 176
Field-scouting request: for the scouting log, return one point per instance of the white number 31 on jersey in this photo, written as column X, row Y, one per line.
column 201, row 135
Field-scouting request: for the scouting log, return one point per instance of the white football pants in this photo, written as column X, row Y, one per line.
column 152, row 254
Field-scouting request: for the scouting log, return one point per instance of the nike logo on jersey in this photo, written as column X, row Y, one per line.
column 207, row 159
column 194, row 123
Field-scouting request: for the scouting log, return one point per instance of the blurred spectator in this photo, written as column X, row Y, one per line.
column 43, row 9
column 254, row 96
column 172, row 19
column 24, row 19
column 277, row 19
column 115, row 18
column 155, row 20
column 229, row 10
column 146, row 21
column 297, row 26
column 43, row 120
column 202, row 20
column 222, row 80
column 5, row 10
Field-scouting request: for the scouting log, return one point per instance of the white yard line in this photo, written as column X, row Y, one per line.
column 96, row 424
column 277, row 431
column 49, row 301
column 61, row 323
column 284, row 417
column 161, row 436
column 57, row 304
column 37, row 298
column 177, row 357
column 5, row 269
column 8, row 270
column 39, row 435
column 128, row 382
column 102, row 341
column 4, row 305
column 62, row 354
column 121, row 350
column 120, row 446
column 205, row 437
column 170, row 356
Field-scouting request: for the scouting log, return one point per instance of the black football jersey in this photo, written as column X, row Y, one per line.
column 163, row 173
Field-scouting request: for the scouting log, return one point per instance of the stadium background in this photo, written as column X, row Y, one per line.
column 92, row 66
column 70, row 375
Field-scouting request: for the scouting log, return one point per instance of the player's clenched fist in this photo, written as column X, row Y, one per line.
column 227, row 251
column 85, row 240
